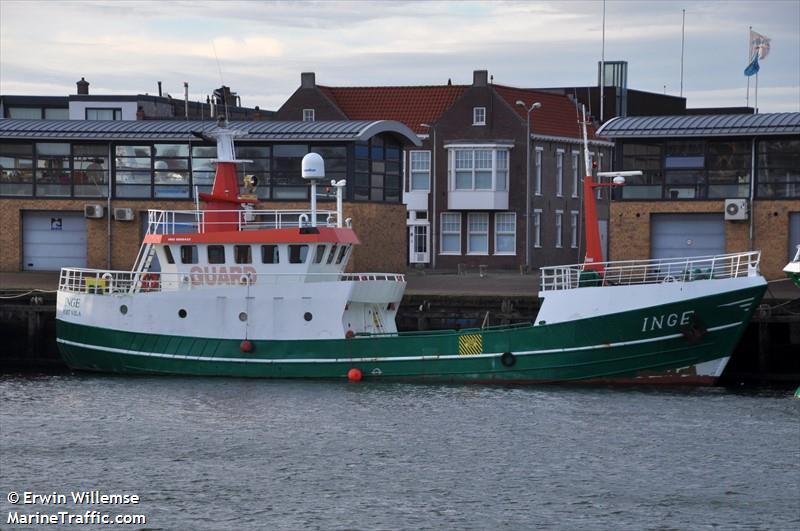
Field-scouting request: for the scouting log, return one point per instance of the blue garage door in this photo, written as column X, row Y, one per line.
column 679, row 235
column 52, row 240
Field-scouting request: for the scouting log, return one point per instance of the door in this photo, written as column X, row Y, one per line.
column 686, row 235
column 52, row 240
column 418, row 241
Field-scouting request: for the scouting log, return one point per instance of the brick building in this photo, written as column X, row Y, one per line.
column 711, row 184
column 465, row 188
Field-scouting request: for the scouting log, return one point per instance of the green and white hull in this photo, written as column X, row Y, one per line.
column 648, row 332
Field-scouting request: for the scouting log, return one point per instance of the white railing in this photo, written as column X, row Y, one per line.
column 100, row 281
column 188, row 221
column 631, row 272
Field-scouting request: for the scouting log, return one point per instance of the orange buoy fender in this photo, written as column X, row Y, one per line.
column 354, row 375
column 246, row 346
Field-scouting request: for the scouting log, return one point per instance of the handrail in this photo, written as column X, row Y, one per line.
column 632, row 272
column 102, row 281
column 183, row 221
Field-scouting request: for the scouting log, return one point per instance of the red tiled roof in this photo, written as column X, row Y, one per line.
column 410, row 105
column 557, row 116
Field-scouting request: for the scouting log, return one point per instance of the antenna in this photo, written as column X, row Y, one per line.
column 224, row 99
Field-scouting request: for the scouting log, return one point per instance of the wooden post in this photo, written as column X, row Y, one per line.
column 763, row 342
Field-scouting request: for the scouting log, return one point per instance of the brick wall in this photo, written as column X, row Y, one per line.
column 629, row 231
column 380, row 227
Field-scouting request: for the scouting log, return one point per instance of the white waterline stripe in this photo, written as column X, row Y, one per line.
column 736, row 302
column 380, row 359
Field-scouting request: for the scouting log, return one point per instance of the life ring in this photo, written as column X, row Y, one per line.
column 150, row 281
column 508, row 359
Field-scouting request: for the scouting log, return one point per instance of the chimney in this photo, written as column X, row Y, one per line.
column 159, row 89
column 307, row 80
column 83, row 86
column 186, row 99
column 480, row 78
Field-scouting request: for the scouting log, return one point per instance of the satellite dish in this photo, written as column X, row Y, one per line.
column 619, row 180
column 313, row 167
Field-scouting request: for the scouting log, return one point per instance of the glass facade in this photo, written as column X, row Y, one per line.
column 778, row 167
column 174, row 170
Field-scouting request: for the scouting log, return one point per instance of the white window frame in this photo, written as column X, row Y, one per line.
column 537, row 183
column 576, row 168
column 443, row 232
column 537, row 227
column 559, row 229
column 471, row 149
column 309, row 115
column 512, row 233
column 479, row 116
column 470, row 232
column 559, row 173
column 420, row 170
column 574, row 220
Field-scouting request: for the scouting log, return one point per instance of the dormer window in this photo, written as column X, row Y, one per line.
column 479, row 116
column 308, row 115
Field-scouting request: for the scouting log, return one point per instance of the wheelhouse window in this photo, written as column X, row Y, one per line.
column 342, row 252
column 216, row 254
column 479, row 169
column 319, row 254
column 778, row 166
column 478, row 233
column 270, row 254
column 505, row 233
column 451, row 233
column 479, row 116
column 298, row 254
column 16, row 169
column 243, row 254
column 189, row 254
column 420, row 170
column 168, row 255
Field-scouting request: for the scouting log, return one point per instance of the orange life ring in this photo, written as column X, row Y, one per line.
column 150, row 281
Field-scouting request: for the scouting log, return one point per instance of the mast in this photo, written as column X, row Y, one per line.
column 594, row 253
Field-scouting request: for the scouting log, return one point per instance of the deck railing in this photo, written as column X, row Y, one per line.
column 626, row 273
column 99, row 281
column 189, row 221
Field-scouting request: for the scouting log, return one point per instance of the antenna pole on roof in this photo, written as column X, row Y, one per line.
column 602, row 67
column 224, row 99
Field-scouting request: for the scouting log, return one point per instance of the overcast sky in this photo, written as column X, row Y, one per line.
column 125, row 47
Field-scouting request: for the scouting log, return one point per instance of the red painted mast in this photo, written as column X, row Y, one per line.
column 594, row 251
column 223, row 203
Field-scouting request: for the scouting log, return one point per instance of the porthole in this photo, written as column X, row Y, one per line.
column 182, row 313
column 307, row 316
column 243, row 316
column 123, row 309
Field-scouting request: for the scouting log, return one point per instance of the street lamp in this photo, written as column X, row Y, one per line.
column 433, row 221
column 535, row 105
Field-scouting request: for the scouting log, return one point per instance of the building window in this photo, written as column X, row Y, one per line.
column 259, row 167
column 778, row 165
column 451, row 233
column 53, row 170
column 56, row 113
column 24, row 113
column 103, row 114
column 576, row 157
column 559, row 227
column 537, row 227
column 537, row 184
column 420, row 170
column 133, row 171
column 479, row 169
column 560, row 172
column 728, row 166
column 479, row 116
column 377, row 170
column 478, row 233
column 505, row 233
column 308, row 115
column 16, row 169
column 647, row 158
column 573, row 223
column 171, row 171
column 90, row 170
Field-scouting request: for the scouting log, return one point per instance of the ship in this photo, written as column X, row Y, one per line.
column 246, row 292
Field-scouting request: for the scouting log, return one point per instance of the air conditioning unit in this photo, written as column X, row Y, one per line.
column 123, row 214
column 93, row 211
column 736, row 209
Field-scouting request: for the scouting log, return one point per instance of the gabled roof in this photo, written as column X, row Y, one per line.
column 411, row 106
column 185, row 130
column 559, row 116
column 787, row 123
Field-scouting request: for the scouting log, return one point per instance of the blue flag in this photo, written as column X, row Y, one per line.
column 753, row 68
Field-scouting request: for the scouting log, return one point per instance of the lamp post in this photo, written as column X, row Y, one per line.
column 434, row 221
column 528, row 110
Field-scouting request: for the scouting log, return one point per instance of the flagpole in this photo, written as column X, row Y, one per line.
column 603, row 65
column 756, row 92
column 683, row 33
column 749, row 37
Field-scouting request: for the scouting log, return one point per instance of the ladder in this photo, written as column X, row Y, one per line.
column 377, row 320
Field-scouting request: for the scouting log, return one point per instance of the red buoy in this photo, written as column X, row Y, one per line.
column 246, row 346
column 350, row 334
column 354, row 375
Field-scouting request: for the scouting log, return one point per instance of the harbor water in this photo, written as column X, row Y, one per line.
column 254, row 454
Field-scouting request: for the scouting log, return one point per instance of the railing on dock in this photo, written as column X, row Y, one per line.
column 632, row 272
column 193, row 221
column 98, row 281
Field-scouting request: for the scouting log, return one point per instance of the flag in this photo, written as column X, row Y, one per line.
column 753, row 68
column 759, row 43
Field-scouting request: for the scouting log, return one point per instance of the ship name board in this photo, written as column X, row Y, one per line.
column 72, row 306
column 670, row 320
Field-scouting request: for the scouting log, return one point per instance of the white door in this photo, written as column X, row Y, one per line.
column 418, row 242
column 52, row 240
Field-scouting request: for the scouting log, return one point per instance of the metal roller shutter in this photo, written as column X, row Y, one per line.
column 52, row 240
column 678, row 235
